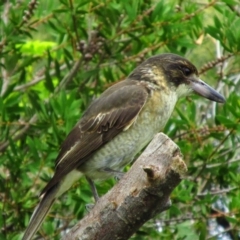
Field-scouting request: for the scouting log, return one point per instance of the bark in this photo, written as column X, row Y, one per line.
column 140, row 195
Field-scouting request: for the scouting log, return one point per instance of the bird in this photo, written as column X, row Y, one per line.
column 119, row 124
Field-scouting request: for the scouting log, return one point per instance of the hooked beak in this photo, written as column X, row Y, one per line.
column 204, row 90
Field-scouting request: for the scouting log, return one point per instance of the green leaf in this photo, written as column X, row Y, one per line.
column 226, row 121
column 217, row 22
column 158, row 11
column 34, row 99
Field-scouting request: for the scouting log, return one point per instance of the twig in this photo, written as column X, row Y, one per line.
column 216, row 236
column 69, row 76
column 213, row 63
column 220, row 164
column 37, row 79
column 189, row 16
column 5, row 75
column 19, row 133
column 216, row 192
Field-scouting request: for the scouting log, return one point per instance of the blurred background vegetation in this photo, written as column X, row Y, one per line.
column 56, row 56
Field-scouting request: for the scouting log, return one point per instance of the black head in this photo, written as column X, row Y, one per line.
column 175, row 73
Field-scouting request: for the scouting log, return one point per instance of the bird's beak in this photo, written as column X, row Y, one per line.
column 204, row 90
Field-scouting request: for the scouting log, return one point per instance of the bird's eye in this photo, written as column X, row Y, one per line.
column 186, row 71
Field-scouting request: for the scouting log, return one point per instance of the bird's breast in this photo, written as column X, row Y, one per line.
column 122, row 149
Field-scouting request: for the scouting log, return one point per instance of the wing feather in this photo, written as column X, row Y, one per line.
column 116, row 110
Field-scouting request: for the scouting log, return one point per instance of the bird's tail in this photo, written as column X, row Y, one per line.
column 40, row 212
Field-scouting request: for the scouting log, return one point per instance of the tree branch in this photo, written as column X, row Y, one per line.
column 141, row 194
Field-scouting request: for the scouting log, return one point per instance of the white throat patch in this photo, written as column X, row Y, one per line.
column 183, row 90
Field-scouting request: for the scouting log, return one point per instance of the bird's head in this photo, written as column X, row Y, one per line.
column 175, row 73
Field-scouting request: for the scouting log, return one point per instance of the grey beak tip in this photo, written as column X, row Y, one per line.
column 222, row 100
column 217, row 97
column 206, row 91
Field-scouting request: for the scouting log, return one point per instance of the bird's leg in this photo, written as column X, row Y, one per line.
column 117, row 174
column 93, row 189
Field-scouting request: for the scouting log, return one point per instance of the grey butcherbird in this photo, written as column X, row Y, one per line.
column 119, row 124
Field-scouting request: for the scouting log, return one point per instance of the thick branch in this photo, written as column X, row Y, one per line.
column 141, row 194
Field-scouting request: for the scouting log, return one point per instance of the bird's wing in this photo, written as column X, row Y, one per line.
column 115, row 111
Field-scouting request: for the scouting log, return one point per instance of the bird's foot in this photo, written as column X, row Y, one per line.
column 89, row 206
column 93, row 189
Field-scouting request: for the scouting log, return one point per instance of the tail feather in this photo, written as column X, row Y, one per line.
column 47, row 201
column 40, row 212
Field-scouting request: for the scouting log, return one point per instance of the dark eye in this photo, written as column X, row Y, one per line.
column 186, row 71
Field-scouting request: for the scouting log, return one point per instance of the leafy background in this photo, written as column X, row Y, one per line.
column 56, row 56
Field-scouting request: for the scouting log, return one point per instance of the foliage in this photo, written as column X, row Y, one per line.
column 56, row 56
